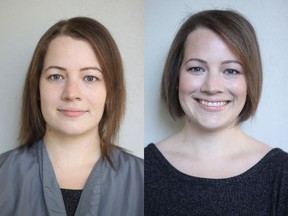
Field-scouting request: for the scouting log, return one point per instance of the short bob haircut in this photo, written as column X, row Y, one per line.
column 240, row 36
column 32, row 123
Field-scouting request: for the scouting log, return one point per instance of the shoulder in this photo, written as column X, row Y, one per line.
column 18, row 157
column 156, row 165
column 149, row 149
column 19, row 175
column 151, row 154
column 275, row 165
column 278, row 156
column 123, row 156
column 278, row 163
column 169, row 145
column 127, row 168
column 17, row 165
column 123, row 160
column 157, row 153
column 154, row 149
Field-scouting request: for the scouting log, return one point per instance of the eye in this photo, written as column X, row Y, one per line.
column 231, row 72
column 196, row 69
column 90, row 78
column 55, row 77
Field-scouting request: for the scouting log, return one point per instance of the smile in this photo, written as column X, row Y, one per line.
column 212, row 103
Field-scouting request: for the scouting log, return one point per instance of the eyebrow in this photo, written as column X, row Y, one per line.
column 232, row 61
column 196, row 59
column 64, row 69
column 224, row 62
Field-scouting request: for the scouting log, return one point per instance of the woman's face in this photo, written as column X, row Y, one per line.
column 72, row 88
column 212, row 84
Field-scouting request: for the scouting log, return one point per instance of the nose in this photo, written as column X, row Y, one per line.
column 71, row 91
column 213, row 83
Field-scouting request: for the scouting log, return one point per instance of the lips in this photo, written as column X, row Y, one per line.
column 72, row 112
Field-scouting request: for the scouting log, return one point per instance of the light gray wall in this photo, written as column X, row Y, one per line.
column 22, row 23
column 162, row 20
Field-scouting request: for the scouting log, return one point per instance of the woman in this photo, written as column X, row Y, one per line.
column 213, row 77
column 73, row 102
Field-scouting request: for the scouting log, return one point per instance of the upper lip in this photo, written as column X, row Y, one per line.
column 72, row 110
column 211, row 99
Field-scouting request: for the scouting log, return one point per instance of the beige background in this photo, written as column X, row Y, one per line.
column 22, row 23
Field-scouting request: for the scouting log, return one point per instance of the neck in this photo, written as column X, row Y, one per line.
column 75, row 149
column 211, row 143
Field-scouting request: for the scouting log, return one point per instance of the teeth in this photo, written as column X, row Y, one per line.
column 213, row 104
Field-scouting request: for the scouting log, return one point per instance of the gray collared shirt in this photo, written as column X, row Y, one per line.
column 28, row 185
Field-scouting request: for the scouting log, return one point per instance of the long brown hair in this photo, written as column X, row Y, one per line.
column 32, row 124
column 239, row 34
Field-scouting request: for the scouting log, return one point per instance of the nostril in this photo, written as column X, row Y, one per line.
column 71, row 91
column 212, row 85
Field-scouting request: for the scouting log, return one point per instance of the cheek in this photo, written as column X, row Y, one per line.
column 43, row 96
column 46, row 105
column 239, row 89
column 48, row 97
column 188, row 84
column 97, row 97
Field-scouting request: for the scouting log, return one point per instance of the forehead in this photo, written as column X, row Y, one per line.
column 203, row 42
column 201, row 37
column 64, row 49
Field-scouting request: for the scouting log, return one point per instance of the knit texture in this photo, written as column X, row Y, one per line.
column 261, row 191
column 71, row 199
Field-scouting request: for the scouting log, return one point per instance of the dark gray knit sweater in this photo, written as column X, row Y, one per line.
column 261, row 191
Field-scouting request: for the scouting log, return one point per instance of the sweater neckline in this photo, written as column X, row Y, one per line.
column 245, row 174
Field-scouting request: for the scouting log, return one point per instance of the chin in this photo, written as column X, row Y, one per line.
column 214, row 125
column 72, row 131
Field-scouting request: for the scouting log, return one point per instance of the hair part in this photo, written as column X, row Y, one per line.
column 32, row 123
column 239, row 35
